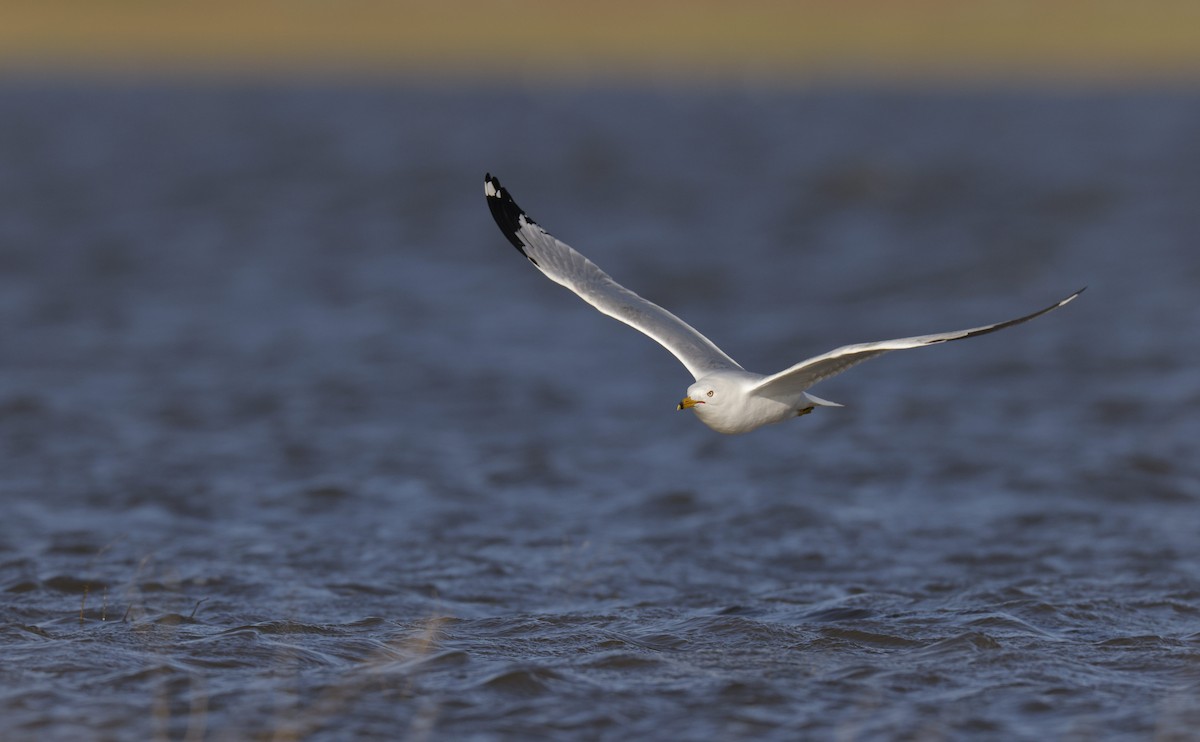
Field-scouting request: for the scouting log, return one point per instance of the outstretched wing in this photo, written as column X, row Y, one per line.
column 565, row 266
column 807, row 373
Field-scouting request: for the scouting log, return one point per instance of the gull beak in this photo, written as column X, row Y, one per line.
column 687, row 403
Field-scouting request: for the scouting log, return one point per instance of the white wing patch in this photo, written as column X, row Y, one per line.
column 563, row 265
column 807, row 373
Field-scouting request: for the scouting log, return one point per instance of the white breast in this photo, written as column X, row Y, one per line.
column 735, row 410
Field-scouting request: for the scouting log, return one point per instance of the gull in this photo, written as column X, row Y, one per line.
column 725, row 396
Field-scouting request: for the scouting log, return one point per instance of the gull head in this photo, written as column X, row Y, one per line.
column 698, row 394
column 718, row 400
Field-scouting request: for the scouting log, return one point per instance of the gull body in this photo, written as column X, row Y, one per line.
column 725, row 401
column 725, row 396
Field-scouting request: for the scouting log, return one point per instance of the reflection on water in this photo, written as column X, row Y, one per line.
column 296, row 445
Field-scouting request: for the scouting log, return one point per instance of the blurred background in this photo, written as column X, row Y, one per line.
column 294, row 445
column 541, row 41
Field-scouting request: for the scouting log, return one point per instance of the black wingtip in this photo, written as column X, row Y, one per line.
column 1071, row 298
column 506, row 212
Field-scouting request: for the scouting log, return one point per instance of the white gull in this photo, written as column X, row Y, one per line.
column 726, row 397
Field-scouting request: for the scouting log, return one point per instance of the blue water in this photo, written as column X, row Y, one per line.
column 296, row 446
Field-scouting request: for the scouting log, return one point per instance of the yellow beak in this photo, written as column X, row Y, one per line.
column 687, row 403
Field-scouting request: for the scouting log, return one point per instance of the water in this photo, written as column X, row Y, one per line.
column 295, row 446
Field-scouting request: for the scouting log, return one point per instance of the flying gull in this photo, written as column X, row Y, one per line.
column 726, row 397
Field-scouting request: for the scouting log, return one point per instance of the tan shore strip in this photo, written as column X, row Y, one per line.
column 1017, row 40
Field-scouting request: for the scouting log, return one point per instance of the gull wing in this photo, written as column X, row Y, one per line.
column 563, row 265
column 807, row 373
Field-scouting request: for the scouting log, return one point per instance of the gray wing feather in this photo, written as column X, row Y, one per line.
column 565, row 266
column 807, row 373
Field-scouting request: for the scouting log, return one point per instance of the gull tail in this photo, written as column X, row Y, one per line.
column 821, row 402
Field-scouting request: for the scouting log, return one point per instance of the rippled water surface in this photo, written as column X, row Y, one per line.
column 296, row 446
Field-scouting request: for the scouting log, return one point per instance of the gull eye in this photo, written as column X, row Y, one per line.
column 710, row 392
